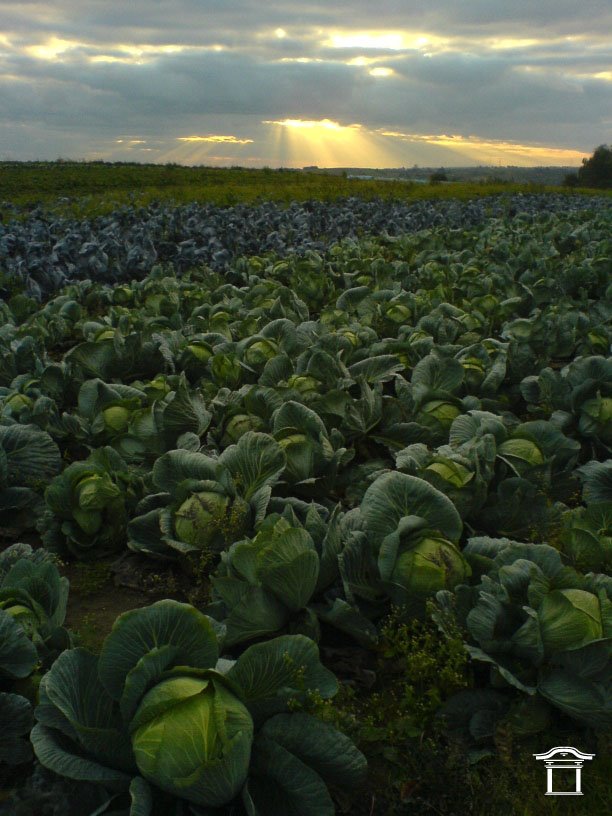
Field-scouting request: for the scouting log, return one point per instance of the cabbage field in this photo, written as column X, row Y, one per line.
column 357, row 457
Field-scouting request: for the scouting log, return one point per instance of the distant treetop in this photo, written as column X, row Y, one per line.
column 596, row 171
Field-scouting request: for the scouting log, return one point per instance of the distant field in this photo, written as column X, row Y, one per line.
column 96, row 188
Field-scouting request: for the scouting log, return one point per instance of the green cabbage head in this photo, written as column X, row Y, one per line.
column 452, row 472
column 260, row 351
column 239, row 425
column 192, row 737
column 22, row 615
column 523, row 451
column 301, row 452
column 116, row 418
column 199, row 519
column 596, row 419
column 398, row 313
column 306, row 385
column 569, row 618
column 351, row 336
column 442, row 411
column 194, row 359
column 200, row 351
column 474, row 371
column 17, row 402
column 430, row 565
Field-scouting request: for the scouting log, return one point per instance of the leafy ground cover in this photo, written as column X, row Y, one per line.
column 96, row 188
column 331, row 484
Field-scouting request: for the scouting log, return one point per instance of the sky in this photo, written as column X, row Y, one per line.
column 392, row 83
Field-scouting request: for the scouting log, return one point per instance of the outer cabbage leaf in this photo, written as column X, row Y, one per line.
column 395, row 495
column 140, row 631
column 271, row 674
column 256, row 461
column 18, row 655
column 72, row 692
column 16, row 720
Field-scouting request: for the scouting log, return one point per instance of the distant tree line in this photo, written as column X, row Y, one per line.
column 595, row 172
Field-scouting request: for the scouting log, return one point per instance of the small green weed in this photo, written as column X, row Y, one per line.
column 394, row 724
column 88, row 635
column 90, row 578
column 157, row 583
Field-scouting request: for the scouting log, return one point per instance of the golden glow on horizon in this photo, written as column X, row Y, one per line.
column 190, row 153
column 490, row 151
column 328, row 143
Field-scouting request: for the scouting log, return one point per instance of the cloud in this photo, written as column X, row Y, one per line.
column 193, row 75
column 215, row 140
column 197, row 22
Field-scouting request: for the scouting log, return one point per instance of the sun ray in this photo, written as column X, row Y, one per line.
column 328, row 143
column 470, row 149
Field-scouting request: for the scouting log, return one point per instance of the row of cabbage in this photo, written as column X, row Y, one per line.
column 42, row 251
column 422, row 420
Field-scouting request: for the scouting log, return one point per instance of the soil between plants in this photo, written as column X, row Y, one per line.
column 103, row 590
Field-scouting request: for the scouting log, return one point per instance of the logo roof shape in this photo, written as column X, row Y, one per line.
column 564, row 749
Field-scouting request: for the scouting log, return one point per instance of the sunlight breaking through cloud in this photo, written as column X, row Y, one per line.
column 381, row 72
column 384, row 40
column 326, row 143
column 492, row 151
column 215, row 139
column 310, row 124
column 53, row 48
column 274, row 83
